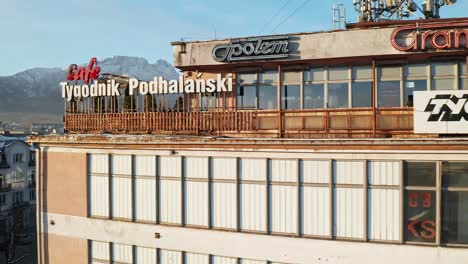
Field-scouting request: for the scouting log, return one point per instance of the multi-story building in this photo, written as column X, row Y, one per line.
column 346, row 146
column 17, row 190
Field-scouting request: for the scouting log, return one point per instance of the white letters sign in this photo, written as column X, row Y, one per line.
column 441, row 112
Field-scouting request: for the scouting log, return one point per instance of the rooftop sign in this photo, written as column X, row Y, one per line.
column 84, row 74
column 258, row 48
column 440, row 36
column 157, row 86
column 441, row 112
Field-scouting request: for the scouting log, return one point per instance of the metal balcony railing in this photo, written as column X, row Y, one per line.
column 314, row 123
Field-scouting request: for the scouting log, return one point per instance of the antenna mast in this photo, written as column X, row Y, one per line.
column 378, row 10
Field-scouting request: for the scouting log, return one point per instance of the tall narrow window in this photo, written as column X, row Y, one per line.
column 247, row 91
column 415, row 80
column 463, row 82
column 338, row 84
column 443, row 76
column 420, row 202
column 267, row 90
column 291, row 90
column 362, row 87
column 455, row 202
column 314, row 88
column 388, row 89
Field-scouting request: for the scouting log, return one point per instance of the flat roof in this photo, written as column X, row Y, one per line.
column 166, row 142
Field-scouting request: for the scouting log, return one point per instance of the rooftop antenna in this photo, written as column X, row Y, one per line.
column 339, row 16
column 379, row 10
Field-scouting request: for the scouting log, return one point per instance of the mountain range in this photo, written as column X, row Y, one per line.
column 34, row 95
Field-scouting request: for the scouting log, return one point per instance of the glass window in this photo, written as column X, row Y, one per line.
column 420, row 212
column 314, row 96
column 455, row 202
column 338, row 95
column 338, row 74
column 314, row 75
column 247, row 78
column 443, row 84
column 388, row 94
column 420, row 174
column 455, row 174
column 412, row 86
column 268, row 77
column 390, row 72
column 291, row 77
column 463, row 84
column 416, row 71
column 290, row 97
column 455, row 217
column 420, row 204
column 362, row 94
column 246, row 97
column 207, row 101
column 462, row 68
column 443, row 69
column 267, row 97
column 363, row 72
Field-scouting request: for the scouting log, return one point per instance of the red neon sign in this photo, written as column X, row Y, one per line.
column 82, row 73
column 431, row 36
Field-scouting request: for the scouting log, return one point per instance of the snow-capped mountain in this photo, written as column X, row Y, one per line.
column 37, row 90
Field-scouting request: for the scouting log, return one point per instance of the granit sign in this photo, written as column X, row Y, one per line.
column 422, row 37
column 258, row 48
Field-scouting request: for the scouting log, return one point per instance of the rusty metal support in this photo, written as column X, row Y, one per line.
column 374, row 98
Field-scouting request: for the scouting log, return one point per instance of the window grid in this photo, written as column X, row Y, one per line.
column 332, row 186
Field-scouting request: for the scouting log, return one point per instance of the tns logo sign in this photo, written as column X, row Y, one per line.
column 447, row 107
column 441, row 112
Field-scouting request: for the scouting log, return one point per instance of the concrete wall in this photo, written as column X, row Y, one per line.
column 65, row 183
column 367, row 42
column 64, row 249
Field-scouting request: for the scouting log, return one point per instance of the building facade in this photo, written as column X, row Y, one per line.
column 17, row 190
column 324, row 151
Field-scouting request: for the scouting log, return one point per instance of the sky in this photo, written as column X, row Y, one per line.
column 57, row 33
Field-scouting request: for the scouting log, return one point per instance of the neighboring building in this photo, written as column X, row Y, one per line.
column 317, row 155
column 17, row 191
column 46, row 128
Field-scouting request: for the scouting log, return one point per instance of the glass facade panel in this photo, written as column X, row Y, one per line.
column 420, row 174
column 390, row 72
column 291, row 77
column 362, row 94
column 246, row 97
column 443, row 69
column 416, row 71
column 314, row 96
column 338, row 95
column 388, row 94
column 463, row 84
column 290, row 97
column 314, row 75
column 443, row 84
column 360, row 73
column 455, row 174
column 338, row 74
column 455, row 217
column 267, row 97
column 247, row 78
column 269, row 77
column 420, row 212
column 462, row 68
column 410, row 87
